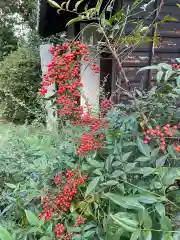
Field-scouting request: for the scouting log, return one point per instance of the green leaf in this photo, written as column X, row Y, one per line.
column 54, row 4
column 170, row 177
column 165, row 66
column 126, row 156
column 123, row 224
column 147, row 199
column 117, row 173
column 178, row 60
column 109, row 162
column 10, row 185
column 49, row 229
column 176, row 235
column 153, row 67
column 32, row 219
column 77, row 4
column 77, row 237
column 135, row 235
column 89, row 233
column 166, row 224
column 147, row 235
column 168, row 75
column 98, row 6
column 125, row 202
column 129, row 167
column 167, row 236
column 92, row 185
column 146, row 171
column 147, row 222
column 161, row 161
column 45, row 238
column 67, row 4
column 178, row 81
column 33, row 230
column 4, row 234
column 110, row 183
column 95, row 163
column 74, row 20
column 160, row 209
column 143, row 148
column 142, row 159
column 159, row 76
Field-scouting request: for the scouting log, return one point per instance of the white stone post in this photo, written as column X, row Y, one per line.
column 51, row 118
column 90, row 80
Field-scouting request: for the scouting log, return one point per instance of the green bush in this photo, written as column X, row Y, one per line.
column 19, row 84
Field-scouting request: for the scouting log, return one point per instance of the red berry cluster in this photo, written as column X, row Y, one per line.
column 163, row 134
column 64, row 70
column 105, row 106
column 79, row 221
column 68, row 186
column 178, row 149
column 175, row 66
column 92, row 140
column 60, row 232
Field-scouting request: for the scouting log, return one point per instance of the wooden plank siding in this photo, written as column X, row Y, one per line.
column 146, row 54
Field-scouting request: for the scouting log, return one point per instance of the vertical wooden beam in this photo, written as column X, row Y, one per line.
column 151, row 53
column 51, row 118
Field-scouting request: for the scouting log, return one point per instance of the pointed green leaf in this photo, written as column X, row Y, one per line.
column 160, row 209
column 170, row 177
column 10, row 185
column 168, row 75
column 146, row 171
column 123, row 224
column 154, row 67
column 74, row 20
column 159, row 76
column 125, row 202
column 110, row 183
column 166, row 223
column 147, row 235
column 142, row 159
column 135, row 235
column 178, row 81
column 32, row 218
column 161, row 161
column 147, row 222
column 54, row 4
column 92, row 185
column 95, row 163
column 4, row 234
column 77, row 4
column 109, row 162
column 165, row 66
column 143, row 148
column 126, row 156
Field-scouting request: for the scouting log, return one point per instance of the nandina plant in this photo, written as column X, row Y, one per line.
column 57, row 206
column 64, row 71
column 164, row 136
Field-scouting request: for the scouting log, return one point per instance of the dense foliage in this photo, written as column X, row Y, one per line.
column 110, row 176
column 20, row 77
column 127, row 188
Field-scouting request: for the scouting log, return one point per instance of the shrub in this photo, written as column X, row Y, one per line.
column 19, row 84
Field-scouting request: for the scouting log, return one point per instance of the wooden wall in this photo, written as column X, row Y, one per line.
column 146, row 54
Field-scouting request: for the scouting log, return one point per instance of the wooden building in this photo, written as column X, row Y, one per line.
column 168, row 48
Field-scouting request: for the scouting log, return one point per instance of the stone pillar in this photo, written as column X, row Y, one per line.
column 51, row 118
column 90, row 80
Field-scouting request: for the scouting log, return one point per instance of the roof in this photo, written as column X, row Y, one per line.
column 49, row 22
